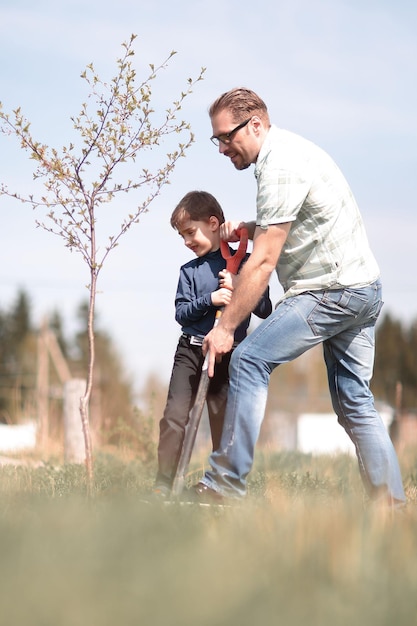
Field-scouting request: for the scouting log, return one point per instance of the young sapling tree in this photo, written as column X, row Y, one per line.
column 116, row 129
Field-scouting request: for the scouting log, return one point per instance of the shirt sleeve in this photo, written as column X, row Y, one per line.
column 281, row 193
column 188, row 307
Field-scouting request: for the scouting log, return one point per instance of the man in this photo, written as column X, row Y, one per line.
column 308, row 227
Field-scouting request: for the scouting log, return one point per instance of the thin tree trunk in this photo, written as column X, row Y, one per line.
column 85, row 400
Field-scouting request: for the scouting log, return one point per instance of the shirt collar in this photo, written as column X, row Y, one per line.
column 265, row 148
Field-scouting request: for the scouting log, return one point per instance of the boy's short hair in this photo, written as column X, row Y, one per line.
column 197, row 206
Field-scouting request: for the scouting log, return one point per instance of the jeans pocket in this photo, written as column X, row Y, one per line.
column 365, row 303
column 341, row 308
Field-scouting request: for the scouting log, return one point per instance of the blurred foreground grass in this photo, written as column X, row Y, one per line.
column 302, row 549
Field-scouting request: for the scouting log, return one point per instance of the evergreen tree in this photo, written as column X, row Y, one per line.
column 396, row 362
column 17, row 358
column 56, row 325
column 112, row 401
column 409, row 372
column 388, row 369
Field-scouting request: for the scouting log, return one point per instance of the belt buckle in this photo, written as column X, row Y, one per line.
column 196, row 341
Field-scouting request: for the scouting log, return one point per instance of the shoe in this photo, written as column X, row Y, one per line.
column 201, row 494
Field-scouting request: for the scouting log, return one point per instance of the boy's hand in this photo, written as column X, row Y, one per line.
column 221, row 297
column 226, row 279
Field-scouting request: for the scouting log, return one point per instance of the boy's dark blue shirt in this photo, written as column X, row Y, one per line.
column 194, row 310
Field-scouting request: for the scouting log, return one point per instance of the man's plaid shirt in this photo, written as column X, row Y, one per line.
column 327, row 246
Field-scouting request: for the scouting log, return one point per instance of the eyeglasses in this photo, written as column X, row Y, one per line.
column 226, row 138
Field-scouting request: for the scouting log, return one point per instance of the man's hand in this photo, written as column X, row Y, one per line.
column 228, row 230
column 217, row 342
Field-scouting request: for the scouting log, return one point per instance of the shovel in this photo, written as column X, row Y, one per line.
column 233, row 262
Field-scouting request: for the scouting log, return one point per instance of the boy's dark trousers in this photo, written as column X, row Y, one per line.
column 182, row 390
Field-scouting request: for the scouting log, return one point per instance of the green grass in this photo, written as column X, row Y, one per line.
column 304, row 548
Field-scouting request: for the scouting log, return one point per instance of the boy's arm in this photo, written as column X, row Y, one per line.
column 189, row 307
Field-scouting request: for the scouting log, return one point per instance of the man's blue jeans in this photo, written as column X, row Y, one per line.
column 344, row 321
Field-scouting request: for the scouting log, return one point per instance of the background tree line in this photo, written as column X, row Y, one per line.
column 396, row 362
column 114, row 416
column 300, row 386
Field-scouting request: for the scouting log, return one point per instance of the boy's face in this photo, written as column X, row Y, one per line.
column 200, row 236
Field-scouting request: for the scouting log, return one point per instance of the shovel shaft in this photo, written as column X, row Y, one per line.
column 191, row 430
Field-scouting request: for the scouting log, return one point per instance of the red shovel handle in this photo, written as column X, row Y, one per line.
column 233, row 261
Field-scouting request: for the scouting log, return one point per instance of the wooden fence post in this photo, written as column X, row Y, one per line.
column 42, row 384
column 74, row 446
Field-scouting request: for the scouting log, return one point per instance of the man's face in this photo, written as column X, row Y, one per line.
column 243, row 146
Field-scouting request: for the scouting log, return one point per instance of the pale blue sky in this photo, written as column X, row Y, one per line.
column 342, row 73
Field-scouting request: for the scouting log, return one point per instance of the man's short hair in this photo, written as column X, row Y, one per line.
column 242, row 103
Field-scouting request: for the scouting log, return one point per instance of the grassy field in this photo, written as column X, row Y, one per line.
column 304, row 548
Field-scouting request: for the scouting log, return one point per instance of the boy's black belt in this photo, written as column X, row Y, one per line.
column 195, row 340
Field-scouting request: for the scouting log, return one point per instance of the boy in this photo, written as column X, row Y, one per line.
column 197, row 218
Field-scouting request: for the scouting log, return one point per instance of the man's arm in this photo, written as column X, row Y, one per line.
column 250, row 284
